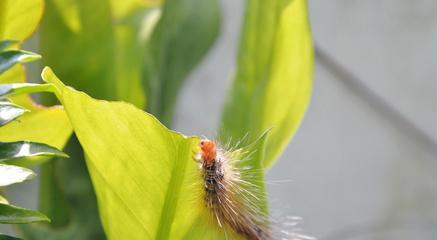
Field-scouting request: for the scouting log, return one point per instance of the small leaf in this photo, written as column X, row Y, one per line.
column 22, row 149
column 6, row 43
column 12, row 57
column 10, row 174
column 10, row 214
column 7, row 90
column 6, row 237
column 9, row 112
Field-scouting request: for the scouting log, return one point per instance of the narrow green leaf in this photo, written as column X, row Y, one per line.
column 9, row 112
column 163, row 194
column 6, row 237
column 10, row 214
column 12, row 57
column 10, row 174
column 26, row 149
column 7, row 90
column 6, row 43
column 184, row 34
column 273, row 83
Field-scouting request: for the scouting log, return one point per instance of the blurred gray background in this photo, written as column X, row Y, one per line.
column 363, row 164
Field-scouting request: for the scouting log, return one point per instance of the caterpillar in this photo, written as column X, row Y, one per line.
column 228, row 195
column 232, row 200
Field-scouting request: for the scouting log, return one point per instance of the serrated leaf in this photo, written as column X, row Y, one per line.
column 273, row 83
column 12, row 57
column 6, row 43
column 9, row 112
column 10, row 214
column 7, row 90
column 10, row 174
column 162, row 196
column 182, row 37
column 27, row 149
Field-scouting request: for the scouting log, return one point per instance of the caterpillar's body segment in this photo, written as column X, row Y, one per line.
column 228, row 196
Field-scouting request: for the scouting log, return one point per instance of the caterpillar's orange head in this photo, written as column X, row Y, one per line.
column 208, row 150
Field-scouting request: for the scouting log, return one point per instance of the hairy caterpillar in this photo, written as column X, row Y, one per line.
column 231, row 199
column 225, row 196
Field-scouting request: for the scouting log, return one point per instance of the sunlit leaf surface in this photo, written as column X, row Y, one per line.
column 49, row 126
column 272, row 86
column 10, row 174
column 13, row 215
column 19, row 18
column 164, row 197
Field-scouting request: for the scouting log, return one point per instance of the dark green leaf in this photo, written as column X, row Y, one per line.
column 10, row 214
column 6, row 237
column 22, row 149
column 7, row 90
column 110, row 69
column 10, row 174
column 6, row 43
column 181, row 39
column 12, row 57
column 9, row 112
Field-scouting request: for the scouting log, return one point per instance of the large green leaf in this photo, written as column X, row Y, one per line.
column 10, row 174
column 107, row 36
column 147, row 184
column 14, row 215
column 272, row 86
column 182, row 37
column 110, row 37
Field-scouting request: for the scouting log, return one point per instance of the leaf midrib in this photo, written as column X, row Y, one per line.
column 177, row 176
